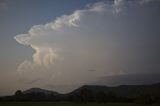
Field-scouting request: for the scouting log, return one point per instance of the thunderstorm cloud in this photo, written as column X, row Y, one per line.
column 105, row 36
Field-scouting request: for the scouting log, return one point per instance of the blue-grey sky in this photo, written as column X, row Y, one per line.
column 63, row 44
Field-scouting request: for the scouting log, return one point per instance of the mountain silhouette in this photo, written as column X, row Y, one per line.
column 147, row 94
column 39, row 90
column 122, row 90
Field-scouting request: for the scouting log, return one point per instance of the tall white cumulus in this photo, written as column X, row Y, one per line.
column 54, row 40
column 46, row 53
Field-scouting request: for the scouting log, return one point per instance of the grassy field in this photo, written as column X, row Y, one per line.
column 67, row 104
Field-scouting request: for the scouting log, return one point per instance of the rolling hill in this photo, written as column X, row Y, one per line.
column 39, row 90
column 93, row 93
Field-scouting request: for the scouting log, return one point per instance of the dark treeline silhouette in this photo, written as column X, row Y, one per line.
column 142, row 94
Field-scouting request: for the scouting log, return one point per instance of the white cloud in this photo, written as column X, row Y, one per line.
column 44, row 54
column 72, row 44
column 97, row 7
column 119, row 5
column 39, row 35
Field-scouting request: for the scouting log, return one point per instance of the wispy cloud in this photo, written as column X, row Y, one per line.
column 119, row 5
column 3, row 4
column 147, row 1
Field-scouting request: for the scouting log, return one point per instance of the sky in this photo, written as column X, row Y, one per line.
column 63, row 44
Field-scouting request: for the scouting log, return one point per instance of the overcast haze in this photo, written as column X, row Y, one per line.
column 63, row 44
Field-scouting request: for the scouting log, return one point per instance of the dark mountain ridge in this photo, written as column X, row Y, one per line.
column 122, row 90
column 92, row 93
column 39, row 90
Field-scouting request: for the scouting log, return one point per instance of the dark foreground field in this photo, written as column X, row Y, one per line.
column 68, row 104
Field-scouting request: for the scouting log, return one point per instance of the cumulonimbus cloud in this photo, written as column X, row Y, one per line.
column 63, row 38
column 46, row 53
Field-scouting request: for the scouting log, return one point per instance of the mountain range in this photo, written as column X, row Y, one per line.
column 92, row 93
column 122, row 90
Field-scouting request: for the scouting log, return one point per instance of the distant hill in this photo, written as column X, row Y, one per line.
column 122, row 90
column 93, row 93
column 93, row 88
column 39, row 90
